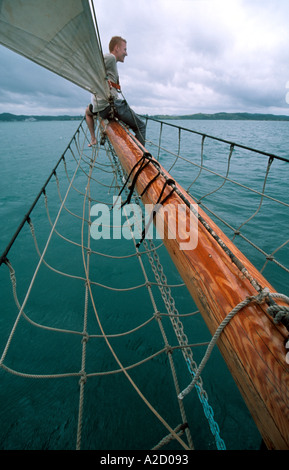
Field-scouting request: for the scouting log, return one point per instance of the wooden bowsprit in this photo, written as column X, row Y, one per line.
column 252, row 345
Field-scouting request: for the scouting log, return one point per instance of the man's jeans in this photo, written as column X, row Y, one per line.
column 128, row 116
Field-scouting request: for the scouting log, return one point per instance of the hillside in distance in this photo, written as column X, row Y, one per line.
column 226, row 117
column 7, row 117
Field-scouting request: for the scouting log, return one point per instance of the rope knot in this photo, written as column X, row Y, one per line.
column 85, row 338
column 169, row 349
column 158, row 315
column 83, row 378
column 270, row 257
column 261, row 297
column 279, row 313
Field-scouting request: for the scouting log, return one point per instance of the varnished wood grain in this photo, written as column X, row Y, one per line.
column 252, row 345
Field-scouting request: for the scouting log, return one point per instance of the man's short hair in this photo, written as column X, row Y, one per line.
column 115, row 41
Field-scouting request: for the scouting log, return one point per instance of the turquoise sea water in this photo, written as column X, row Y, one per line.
column 42, row 413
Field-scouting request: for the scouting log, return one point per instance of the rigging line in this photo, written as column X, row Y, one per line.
column 236, row 261
column 60, row 198
column 179, row 429
column 143, row 164
column 157, row 206
column 60, row 330
column 131, row 366
column 201, row 166
column 36, row 271
column 178, row 153
column 201, row 219
column 271, row 258
column 212, row 233
column 125, row 333
column 149, row 251
column 160, row 139
column 181, row 337
column 267, row 154
column 184, row 445
column 85, row 334
column 270, row 161
column 98, row 253
column 147, row 322
column 97, row 30
column 161, row 327
column 225, row 177
column 134, row 118
column 105, row 255
column 221, row 176
column 77, row 190
column 100, row 46
column 98, row 284
column 6, row 251
column 105, row 286
column 258, row 298
column 74, row 332
column 165, row 349
column 154, row 249
column 39, row 376
column 85, row 173
column 176, row 323
column 157, row 317
column 125, row 181
column 81, row 151
column 62, row 273
column 176, row 315
column 246, row 239
column 224, row 247
column 27, row 318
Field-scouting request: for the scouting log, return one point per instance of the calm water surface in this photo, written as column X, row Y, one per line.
column 42, row 414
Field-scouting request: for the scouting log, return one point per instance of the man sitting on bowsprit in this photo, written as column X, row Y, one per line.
column 122, row 111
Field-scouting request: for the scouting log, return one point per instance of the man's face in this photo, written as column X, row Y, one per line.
column 121, row 52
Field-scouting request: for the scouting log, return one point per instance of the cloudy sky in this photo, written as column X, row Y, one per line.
column 184, row 57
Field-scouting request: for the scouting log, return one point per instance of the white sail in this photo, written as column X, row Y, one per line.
column 59, row 35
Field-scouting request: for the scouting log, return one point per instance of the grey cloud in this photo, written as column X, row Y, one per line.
column 25, row 87
column 187, row 56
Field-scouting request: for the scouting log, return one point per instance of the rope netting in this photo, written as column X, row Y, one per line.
column 248, row 186
column 70, row 291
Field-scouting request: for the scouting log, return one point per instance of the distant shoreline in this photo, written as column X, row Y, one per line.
column 224, row 117
column 7, row 117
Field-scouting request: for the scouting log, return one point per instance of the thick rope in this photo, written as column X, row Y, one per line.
column 259, row 299
column 280, row 313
